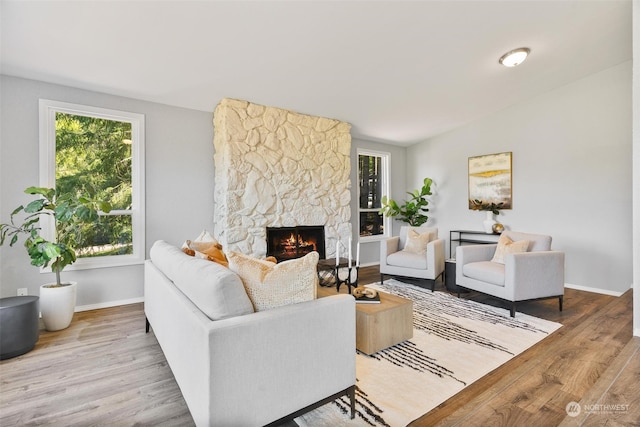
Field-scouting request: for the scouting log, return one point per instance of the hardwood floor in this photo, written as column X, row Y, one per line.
column 104, row 370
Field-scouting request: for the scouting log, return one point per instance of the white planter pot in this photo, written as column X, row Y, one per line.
column 57, row 305
column 488, row 223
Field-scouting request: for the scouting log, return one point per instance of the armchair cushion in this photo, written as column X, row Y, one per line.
column 485, row 271
column 508, row 246
column 408, row 259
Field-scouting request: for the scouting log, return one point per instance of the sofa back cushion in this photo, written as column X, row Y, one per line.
column 217, row 291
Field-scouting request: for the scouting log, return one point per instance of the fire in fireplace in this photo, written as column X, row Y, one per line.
column 294, row 242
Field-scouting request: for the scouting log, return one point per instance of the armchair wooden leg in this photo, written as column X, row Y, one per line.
column 513, row 309
column 560, row 298
column 147, row 325
column 381, row 278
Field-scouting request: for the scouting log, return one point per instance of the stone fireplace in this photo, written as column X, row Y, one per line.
column 278, row 168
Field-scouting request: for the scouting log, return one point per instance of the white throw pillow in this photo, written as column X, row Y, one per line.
column 272, row 285
column 416, row 242
column 508, row 246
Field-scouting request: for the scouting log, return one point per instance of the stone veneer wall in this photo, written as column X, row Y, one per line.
column 278, row 168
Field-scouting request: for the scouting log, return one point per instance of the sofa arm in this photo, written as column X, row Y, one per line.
column 535, row 274
column 387, row 247
column 281, row 360
column 435, row 256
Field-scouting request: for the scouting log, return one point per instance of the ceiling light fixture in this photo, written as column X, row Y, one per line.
column 514, row 57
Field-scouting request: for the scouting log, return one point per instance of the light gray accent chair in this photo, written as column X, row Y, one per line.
column 535, row 274
column 395, row 261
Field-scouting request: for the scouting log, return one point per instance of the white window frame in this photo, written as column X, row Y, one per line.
column 386, row 178
column 48, row 110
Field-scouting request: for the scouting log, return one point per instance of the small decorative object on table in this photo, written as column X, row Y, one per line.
column 498, row 228
column 366, row 295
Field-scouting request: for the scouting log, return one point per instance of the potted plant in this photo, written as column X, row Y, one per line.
column 491, row 209
column 69, row 213
column 412, row 211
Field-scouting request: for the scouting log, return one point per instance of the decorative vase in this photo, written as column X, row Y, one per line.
column 57, row 304
column 488, row 223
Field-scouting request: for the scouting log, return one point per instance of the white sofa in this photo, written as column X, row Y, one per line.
column 245, row 368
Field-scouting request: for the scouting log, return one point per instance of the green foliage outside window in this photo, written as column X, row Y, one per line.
column 93, row 156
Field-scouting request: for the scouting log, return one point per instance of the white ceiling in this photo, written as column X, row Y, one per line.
column 398, row 71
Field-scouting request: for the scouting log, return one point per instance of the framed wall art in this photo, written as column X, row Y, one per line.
column 490, row 181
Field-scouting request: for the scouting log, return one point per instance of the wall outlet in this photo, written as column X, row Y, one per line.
column 22, row 291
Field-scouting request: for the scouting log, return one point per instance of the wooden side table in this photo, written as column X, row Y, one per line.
column 327, row 269
column 379, row 326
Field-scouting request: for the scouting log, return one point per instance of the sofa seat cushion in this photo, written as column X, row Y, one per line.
column 485, row 271
column 217, row 291
column 272, row 285
column 408, row 260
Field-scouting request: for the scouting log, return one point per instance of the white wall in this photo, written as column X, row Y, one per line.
column 572, row 174
column 179, row 182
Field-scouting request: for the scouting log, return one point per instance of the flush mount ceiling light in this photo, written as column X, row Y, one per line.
column 515, row 57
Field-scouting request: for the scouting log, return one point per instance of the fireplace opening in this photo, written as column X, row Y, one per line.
column 285, row 243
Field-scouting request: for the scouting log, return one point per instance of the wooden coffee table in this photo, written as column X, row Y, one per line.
column 379, row 326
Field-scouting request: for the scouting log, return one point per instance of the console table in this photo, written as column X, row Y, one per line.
column 471, row 236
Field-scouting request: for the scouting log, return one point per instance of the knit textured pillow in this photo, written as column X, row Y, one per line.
column 508, row 246
column 272, row 285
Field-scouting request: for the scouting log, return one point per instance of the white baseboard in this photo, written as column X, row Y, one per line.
column 108, row 304
column 594, row 290
column 636, row 332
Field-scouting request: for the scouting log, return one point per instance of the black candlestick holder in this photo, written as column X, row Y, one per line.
column 350, row 279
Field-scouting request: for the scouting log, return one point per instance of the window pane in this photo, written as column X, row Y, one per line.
column 112, row 235
column 93, row 156
column 371, row 181
column 371, row 224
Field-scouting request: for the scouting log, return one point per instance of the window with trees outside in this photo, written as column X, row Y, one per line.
column 98, row 152
column 373, row 183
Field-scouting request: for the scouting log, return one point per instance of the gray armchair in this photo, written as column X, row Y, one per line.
column 537, row 273
column 396, row 261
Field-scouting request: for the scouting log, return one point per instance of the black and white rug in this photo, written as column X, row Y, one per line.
column 455, row 342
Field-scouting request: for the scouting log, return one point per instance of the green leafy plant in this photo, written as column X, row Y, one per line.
column 412, row 211
column 69, row 212
column 479, row 205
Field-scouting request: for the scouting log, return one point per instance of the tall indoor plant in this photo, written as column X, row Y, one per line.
column 412, row 211
column 69, row 213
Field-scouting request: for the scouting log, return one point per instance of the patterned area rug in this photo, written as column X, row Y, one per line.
column 455, row 342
